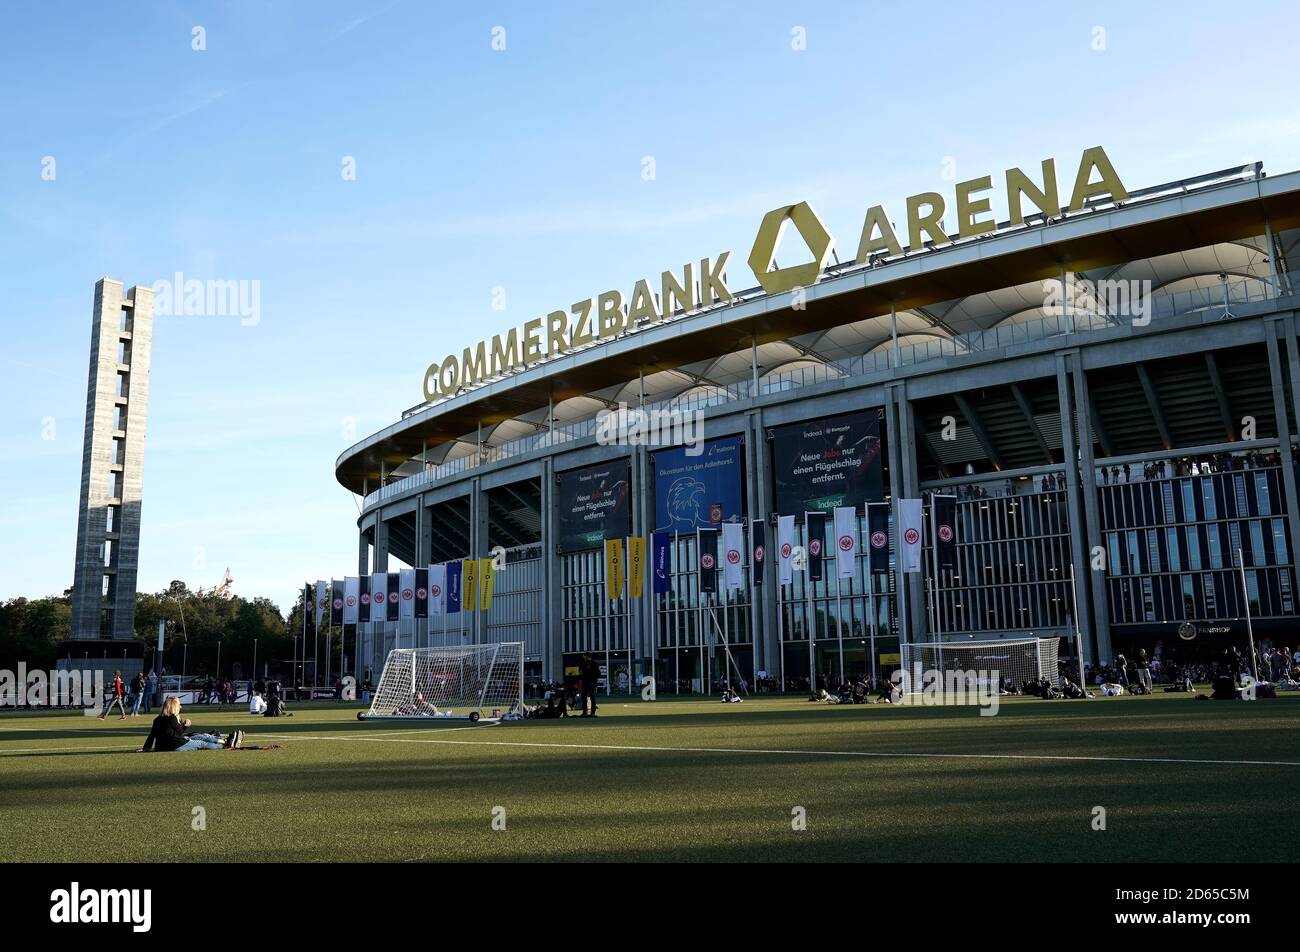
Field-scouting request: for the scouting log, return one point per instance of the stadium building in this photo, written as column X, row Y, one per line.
column 1107, row 383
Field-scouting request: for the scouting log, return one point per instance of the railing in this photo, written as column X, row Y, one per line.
column 1215, row 301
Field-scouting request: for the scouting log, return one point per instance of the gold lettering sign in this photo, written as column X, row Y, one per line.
column 610, row 313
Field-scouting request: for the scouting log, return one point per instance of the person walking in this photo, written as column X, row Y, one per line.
column 138, row 688
column 1144, row 669
column 590, row 674
column 116, row 696
column 151, row 692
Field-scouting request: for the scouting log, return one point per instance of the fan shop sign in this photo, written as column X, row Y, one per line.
column 702, row 285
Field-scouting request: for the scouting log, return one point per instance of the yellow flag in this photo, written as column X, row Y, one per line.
column 469, row 597
column 613, row 568
column 635, row 565
column 487, row 574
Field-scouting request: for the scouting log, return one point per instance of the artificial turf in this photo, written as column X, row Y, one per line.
column 672, row 780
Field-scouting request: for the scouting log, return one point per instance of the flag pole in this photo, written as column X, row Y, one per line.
column 754, row 569
column 627, row 616
column 812, row 618
column 699, row 627
column 1250, row 630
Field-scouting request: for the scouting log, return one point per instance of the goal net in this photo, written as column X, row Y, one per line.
column 468, row 682
column 983, row 663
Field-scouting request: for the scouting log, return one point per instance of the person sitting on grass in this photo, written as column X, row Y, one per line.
column 274, row 702
column 168, row 733
column 256, row 703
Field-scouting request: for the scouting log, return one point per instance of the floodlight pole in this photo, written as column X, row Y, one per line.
column 1250, row 630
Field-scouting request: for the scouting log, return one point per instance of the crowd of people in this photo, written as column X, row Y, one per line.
column 1187, row 466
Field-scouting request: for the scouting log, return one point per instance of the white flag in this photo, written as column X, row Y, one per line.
column 406, row 587
column 322, row 601
column 351, row 600
column 437, row 589
column 909, row 533
column 378, row 596
column 733, row 545
column 785, row 547
column 846, row 540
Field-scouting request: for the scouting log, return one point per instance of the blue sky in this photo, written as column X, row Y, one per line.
column 478, row 169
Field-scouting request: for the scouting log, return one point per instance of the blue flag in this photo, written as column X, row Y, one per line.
column 659, row 559
column 453, row 587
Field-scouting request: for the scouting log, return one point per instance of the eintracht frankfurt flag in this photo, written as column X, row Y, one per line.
column 878, row 537
column 394, row 587
column 733, row 544
column 469, row 585
column 943, row 513
column 707, row 541
column 437, row 588
column 351, row 600
column 378, row 596
column 815, row 524
column 322, row 601
column 406, row 588
column 909, row 534
column 336, row 602
column 308, row 601
column 421, row 593
column 785, row 548
column 846, row 540
column 758, row 547
column 363, row 609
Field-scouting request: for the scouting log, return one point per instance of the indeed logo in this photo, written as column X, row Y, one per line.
column 76, row 905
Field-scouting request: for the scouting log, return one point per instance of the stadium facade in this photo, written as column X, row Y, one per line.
column 1108, row 383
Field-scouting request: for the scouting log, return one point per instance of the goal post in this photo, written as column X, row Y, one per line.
column 471, row 682
column 997, row 661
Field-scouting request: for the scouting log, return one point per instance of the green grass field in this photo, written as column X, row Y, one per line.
column 673, row 780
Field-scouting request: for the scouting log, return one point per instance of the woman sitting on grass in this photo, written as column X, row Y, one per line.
column 168, row 733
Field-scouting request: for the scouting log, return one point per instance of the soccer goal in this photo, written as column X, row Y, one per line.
column 1017, row 660
column 472, row 682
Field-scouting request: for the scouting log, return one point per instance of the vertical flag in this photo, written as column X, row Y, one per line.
column 437, row 589
column 943, row 514
column 707, row 541
column 422, row 593
column 635, row 565
column 487, row 574
column 909, row 535
column 308, row 602
column 336, row 602
column 351, row 600
column 733, row 544
column 878, row 537
column 406, row 607
column 363, row 599
column 659, row 555
column 393, row 586
column 453, row 587
column 846, row 540
column 613, row 568
column 785, row 548
column 378, row 596
column 758, row 544
column 322, row 601
column 815, row 523
column 469, row 585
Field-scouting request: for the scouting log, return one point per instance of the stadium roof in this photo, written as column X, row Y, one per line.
column 1178, row 236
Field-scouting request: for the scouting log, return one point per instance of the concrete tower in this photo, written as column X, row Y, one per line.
column 112, row 463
